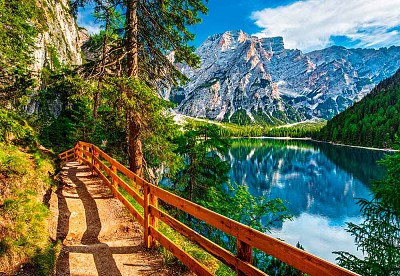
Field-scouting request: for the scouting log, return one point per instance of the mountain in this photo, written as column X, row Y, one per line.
column 57, row 45
column 60, row 41
column 243, row 79
column 374, row 121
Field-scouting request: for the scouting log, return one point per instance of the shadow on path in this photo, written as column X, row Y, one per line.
column 102, row 253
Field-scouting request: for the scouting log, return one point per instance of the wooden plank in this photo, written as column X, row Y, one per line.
column 185, row 258
column 86, row 162
column 106, row 157
column 69, row 155
column 223, row 223
column 244, row 253
column 126, row 171
column 86, row 144
column 103, row 166
column 149, row 221
column 95, row 155
column 291, row 255
column 87, row 153
column 65, row 152
column 153, row 221
column 114, row 176
column 139, row 181
column 214, row 249
column 123, row 184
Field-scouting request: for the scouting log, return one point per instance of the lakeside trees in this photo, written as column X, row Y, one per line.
column 372, row 122
column 378, row 237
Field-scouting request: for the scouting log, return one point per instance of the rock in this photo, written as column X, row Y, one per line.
column 60, row 40
column 249, row 79
column 58, row 45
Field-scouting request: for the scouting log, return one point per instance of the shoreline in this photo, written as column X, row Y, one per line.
column 318, row 141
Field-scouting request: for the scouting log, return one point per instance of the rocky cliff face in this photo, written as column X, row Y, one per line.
column 59, row 44
column 244, row 78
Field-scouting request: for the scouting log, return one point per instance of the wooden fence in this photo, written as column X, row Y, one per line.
column 246, row 237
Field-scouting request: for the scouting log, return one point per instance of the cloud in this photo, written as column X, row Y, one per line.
column 319, row 235
column 311, row 24
column 86, row 20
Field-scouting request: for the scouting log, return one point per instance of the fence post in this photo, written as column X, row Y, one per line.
column 80, row 153
column 76, row 152
column 149, row 220
column 114, row 182
column 93, row 162
column 244, row 252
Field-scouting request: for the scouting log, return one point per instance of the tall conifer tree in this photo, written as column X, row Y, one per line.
column 154, row 31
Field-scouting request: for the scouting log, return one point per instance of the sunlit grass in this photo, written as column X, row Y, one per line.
column 25, row 176
column 201, row 255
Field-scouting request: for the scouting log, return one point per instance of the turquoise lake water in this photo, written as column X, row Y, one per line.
column 318, row 182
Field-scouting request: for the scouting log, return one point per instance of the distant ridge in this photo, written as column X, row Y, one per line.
column 245, row 79
column 372, row 122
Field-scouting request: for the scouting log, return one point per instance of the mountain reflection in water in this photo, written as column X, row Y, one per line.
column 318, row 182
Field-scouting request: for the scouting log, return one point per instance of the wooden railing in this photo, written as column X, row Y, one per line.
column 246, row 237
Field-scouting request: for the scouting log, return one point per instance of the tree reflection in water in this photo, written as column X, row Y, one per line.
column 318, row 182
column 379, row 235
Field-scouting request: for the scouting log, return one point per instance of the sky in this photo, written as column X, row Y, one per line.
column 306, row 25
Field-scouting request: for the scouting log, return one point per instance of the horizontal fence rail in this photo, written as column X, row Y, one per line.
column 116, row 176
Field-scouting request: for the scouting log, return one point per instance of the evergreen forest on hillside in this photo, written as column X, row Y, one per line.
column 372, row 122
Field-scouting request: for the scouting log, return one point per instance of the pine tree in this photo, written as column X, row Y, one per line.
column 201, row 147
column 153, row 30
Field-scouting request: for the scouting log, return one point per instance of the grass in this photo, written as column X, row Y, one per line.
column 214, row 265
column 198, row 253
column 24, row 176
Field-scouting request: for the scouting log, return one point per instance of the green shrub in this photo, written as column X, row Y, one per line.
column 13, row 128
column 22, row 213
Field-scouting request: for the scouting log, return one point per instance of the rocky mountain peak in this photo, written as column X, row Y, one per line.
column 244, row 78
column 273, row 44
column 230, row 40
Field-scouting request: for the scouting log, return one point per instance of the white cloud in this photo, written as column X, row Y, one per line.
column 319, row 235
column 310, row 24
column 86, row 20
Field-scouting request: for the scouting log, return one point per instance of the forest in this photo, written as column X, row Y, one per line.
column 372, row 122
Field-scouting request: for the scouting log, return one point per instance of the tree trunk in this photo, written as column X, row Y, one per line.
column 135, row 145
column 132, row 38
column 96, row 102
column 134, row 120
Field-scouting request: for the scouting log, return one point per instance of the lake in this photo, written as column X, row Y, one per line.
column 318, row 182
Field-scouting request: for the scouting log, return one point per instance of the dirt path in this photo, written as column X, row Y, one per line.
column 98, row 235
